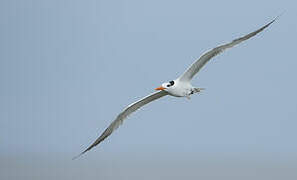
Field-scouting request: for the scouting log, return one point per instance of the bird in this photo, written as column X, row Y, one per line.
column 180, row 87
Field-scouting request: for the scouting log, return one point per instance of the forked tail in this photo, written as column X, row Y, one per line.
column 197, row 90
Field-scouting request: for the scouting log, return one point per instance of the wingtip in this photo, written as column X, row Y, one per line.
column 278, row 16
column 77, row 156
column 283, row 12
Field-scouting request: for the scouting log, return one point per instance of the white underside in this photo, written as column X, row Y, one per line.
column 180, row 89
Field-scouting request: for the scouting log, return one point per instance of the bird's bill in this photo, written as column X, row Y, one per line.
column 160, row 88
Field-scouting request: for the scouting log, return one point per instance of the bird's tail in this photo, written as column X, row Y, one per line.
column 197, row 90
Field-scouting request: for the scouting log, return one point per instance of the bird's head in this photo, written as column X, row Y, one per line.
column 166, row 86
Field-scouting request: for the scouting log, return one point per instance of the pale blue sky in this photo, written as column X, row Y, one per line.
column 69, row 67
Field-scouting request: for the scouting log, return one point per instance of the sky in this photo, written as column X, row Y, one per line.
column 69, row 67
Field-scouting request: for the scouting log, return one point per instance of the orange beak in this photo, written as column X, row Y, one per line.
column 160, row 88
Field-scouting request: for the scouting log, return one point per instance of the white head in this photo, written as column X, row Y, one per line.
column 166, row 86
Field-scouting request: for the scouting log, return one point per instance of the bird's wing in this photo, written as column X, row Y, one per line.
column 126, row 112
column 198, row 64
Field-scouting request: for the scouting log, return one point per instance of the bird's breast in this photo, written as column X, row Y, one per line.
column 179, row 91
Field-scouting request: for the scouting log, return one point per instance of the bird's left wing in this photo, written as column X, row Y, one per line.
column 121, row 117
column 197, row 65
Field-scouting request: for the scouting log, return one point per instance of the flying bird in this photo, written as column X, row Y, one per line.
column 180, row 87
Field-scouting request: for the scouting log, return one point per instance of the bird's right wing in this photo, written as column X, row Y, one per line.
column 121, row 117
column 197, row 65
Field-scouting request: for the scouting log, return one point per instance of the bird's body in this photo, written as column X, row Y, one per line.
column 180, row 87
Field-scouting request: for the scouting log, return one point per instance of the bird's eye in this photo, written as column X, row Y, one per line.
column 171, row 83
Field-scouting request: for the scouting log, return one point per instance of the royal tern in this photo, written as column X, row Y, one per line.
column 180, row 87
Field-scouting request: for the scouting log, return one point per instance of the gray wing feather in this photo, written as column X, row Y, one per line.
column 197, row 65
column 123, row 115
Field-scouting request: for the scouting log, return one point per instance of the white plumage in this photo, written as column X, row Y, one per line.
column 180, row 87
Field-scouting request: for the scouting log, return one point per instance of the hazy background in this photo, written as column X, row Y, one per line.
column 68, row 68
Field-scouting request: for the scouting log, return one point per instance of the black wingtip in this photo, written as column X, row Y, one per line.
column 75, row 157
column 283, row 12
column 278, row 16
column 264, row 27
